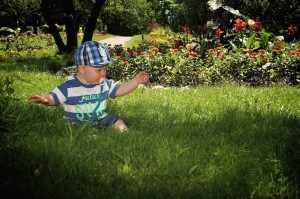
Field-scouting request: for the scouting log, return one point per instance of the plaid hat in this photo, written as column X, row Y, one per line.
column 92, row 53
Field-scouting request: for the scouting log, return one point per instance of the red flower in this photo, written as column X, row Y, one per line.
column 187, row 54
column 175, row 50
column 275, row 52
column 186, row 29
column 262, row 51
column 181, row 47
column 292, row 30
column 218, row 34
column 221, row 56
column 211, row 50
column 218, row 48
column 194, row 54
column 240, row 25
column 151, row 55
column 257, row 26
column 126, row 62
column 156, row 49
column 248, row 50
column 263, row 60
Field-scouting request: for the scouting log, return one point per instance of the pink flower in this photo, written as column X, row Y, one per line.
column 292, row 30
column 257, row 26
column 218, row 34
column 186, row 29
column 240, row 25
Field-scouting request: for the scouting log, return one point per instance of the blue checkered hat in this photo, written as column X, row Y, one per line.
column 92, row 53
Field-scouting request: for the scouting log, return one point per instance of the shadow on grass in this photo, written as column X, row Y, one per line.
column 270, row 138
column 266, row 137
column 51, row 64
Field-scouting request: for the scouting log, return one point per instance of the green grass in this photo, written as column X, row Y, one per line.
column 134, row 42
column 203, row 142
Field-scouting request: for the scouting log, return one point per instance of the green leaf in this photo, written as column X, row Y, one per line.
column 257, row 44
column 193, row 169
column 250, row 40
column 7, row 30
column 234, row 47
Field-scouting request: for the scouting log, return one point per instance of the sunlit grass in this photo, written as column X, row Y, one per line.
column 135, row 41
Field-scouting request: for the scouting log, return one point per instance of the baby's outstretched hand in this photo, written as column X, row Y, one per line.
column 39, row 99
column 142, row 78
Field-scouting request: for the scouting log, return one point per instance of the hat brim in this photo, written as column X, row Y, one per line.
column 98, row 65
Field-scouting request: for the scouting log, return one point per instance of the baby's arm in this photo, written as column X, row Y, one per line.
column 140, row 78
column 43, row 99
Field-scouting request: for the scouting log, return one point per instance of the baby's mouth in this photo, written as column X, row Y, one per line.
column 100, row 79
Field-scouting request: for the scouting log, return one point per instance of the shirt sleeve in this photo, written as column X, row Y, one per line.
column 113, row 87
column 60, row 94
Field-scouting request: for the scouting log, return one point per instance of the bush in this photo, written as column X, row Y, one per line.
column 251, row 57
column 181, row 67
column 6, row 92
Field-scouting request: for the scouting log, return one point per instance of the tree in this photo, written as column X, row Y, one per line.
column 17, row 13
column 91, row 24
column 66, row 12
column 127, row 17
column 197, row 12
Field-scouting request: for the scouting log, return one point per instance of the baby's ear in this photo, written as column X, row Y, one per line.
column 80, row 69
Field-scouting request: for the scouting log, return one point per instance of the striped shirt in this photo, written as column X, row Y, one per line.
column 83, row 102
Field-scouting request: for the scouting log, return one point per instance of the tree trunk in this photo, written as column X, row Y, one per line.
column 72, row 26
column 71, row 22
column 46, row 11
column 91, row 24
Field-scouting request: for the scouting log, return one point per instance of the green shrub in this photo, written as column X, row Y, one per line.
column 6, row 92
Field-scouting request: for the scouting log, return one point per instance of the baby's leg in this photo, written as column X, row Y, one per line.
column 120, row 126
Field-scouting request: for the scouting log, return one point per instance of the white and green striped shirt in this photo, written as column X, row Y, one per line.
column 83, row 102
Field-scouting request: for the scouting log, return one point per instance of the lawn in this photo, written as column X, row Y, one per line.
column 187, row 142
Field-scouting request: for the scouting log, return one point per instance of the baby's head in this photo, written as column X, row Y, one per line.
column 92, row 58
column 93, row 54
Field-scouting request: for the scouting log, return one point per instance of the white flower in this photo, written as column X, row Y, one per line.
column 251, row 22
column 266, row 65
column 280, row 38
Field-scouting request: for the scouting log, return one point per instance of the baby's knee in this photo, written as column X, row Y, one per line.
column 120, row 125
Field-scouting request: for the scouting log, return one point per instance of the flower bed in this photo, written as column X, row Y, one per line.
column 249, row 57
column 182, row 66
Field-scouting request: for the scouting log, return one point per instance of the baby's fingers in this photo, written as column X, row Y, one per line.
column 38, row 99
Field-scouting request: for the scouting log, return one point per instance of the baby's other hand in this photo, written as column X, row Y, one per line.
column 142, row 77
column 39, row 99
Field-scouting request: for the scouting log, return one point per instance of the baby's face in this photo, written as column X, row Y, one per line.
column 102, row 73
column 94, row 75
